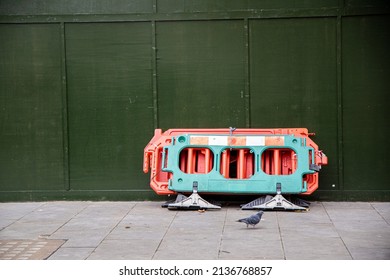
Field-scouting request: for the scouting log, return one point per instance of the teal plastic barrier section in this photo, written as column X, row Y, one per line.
column 238, row 164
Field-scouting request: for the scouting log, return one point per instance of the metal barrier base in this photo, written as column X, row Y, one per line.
column 277, row 202
column 193, row 202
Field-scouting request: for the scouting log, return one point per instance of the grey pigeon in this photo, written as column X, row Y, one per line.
column 252, row 220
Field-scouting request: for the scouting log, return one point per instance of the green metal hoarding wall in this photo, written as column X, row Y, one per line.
column 83, row 84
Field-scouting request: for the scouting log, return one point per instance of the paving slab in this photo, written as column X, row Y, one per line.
column 260, row 242
column 11, row 212
column 192, row 235
column 318, row 248
column 72, row 253
column 146, row 231
column 128, row 249
column 362, row 227
column 383, row 209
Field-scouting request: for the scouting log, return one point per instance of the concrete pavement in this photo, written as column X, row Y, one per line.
column 78, row 230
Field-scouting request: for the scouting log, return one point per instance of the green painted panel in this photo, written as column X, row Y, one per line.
column 31, row 141
column 201, row 77
column 366, row 88
column 367, row 3
column 293, row 77
column 166, row 6
column 329, row 74
column 110, row 104
column 73, row 7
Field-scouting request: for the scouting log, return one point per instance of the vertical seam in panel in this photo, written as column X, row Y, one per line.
column 247, row 74
column 154, row 69
column 341, row 5
column 65, row 122
column 154, row 75
column 154, row 3
column 340, row 106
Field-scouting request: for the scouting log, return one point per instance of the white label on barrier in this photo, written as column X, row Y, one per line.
column 218, row 140
column 255, row 140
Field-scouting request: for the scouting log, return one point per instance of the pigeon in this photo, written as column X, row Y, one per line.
column 252, row 220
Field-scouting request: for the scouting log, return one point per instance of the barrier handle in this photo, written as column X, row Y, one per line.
column 146, row 162
column 312, row 155
column 164, row 162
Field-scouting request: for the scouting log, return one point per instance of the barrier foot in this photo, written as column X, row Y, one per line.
column 193, row 202
column 179, row 198
column 277, row 202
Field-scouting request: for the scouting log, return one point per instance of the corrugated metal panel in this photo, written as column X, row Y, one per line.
column 79, row 97
column 201, row 74
column 110, row 103
column 366, row 3
column 293, row 80
column 60, row 7
column 31, row 140
column 238, row 5
column 366, row 88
